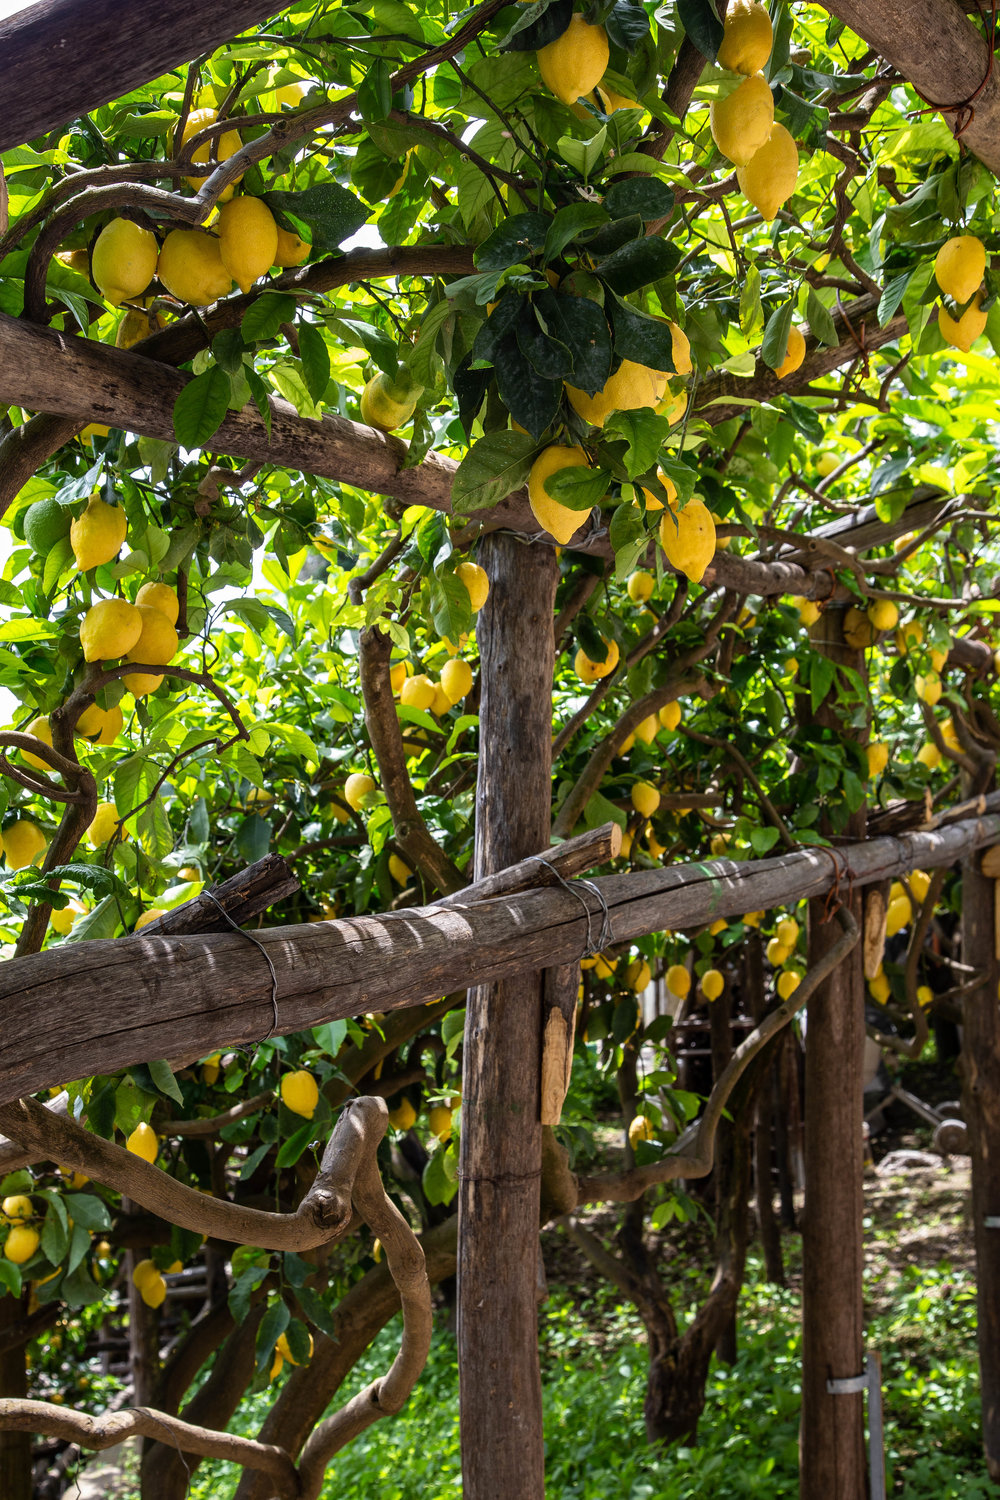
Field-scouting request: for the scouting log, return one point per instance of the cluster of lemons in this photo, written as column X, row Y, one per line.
column 959, row 267
column 22, row 1237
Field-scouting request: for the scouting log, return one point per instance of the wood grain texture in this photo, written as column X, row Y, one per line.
column 500, row 1394
column 85, row 1008
column 244, row 895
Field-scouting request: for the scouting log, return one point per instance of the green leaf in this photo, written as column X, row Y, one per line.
column 577, row 487
column 315, row 358
column 751, row 309
column 583, row 156
column 55, row 1230
column 163, row 1076
column 645, row 340
column 650, row 198
column 27, row 630
column 531, row 398
column 541, row 23
column 820, row 319
column 272, row 1326
column 645, row 434
column 494, row 466
column 700, row 19
column 599, row 810
column 331, row 212
column 375, row 92
column 87, row 1210
column 315, row 1310
column 293, row 1148
column 450, row 606
column 573, row 220
column 330, row 1036
column 80, row 1289
column 890, row 299
column 580, row 325
column 628, row 537
column 253, row 838
column 264, row 317
column 10, row 1276
column 201, row 407
column 762, row 840
column 775, row 342
column 513, row 242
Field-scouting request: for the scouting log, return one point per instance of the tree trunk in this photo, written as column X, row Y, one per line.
column 15, row 1447
column 501, row 1149
column 832, row 1446
column 981, row 1107
column 763, row 1140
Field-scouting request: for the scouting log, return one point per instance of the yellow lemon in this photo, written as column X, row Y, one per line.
column 960, row 266
column 17, row 1207
column 23, row 842
column 552, row 516
column 908, row 636
column 645, row 799
column 403, row 1116
column 359, row 790
column 476, row 582
column 653, row 502
column 574, row 64
column 91, row 723
column 226, row 145
column 387, row 404
column 929, row 688
column 670, row 716
column 145, row 1271
column 97, row 536
column 920, row 883
column 640, row 587
column 768, row 179
column 777, row 952
column 678, row 981
column 153, row 1291
column 648, row 729
column 104, row 824
column 191, row 269
column 456, row 679
column 962, row 334
column 900, row 914
column 688, row 538
column 143, row 1142
column 136, row 326
column 640, row 1129
column 146, row 917
column 109, row 629
column 878, row 757
column 747, row 37
column 929, row 755
column 157, row 643
column 590, row 671
column 742, row 121
column 638, row 975
column 21, row 1244
column 859, row 632
column 925, row 995
column 418, row 692
column 63, row 921
column 883, row 614
column 162, row 597
column 140, row 684
column 787, row 932
column 442, row 703
column 795, row 353
column 124, row 260
column 300, row 1093
column 788, row 983
column 398, row 673
column 631, row 386
column 399, row 870
column 712, row 984
column 439, row 1118
column 39, row 729
column 248, row 239
column 292, row 250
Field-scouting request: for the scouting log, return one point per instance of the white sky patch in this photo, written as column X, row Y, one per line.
column 11, row 7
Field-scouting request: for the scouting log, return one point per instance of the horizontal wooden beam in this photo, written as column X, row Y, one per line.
column 85, row 1008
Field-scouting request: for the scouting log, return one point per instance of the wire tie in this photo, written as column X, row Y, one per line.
column 267, row 959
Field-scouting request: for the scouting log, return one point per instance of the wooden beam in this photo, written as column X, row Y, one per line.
column 61, row 58
column 93, row 1007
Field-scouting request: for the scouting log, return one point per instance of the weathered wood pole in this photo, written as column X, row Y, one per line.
column 501, row 1153
column 981, row 1108
column 832, row 1442
column 15, row 1447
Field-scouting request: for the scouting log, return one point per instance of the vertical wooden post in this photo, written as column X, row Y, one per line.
column 981, row 1107
column 15, row 1447
column 501, row 1150
column 832, row 1446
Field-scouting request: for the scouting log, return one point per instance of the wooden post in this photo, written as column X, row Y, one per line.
column 981, row 1108
column 15, row 1447
column 832, row 1446
column 501, row 1151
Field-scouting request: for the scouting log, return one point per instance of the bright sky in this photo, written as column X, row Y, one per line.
column 11, row 7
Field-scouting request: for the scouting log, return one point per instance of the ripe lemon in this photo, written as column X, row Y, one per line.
column 398, row 673
column 399, row 869
column 17, row 1207
column 153, row 1291
column 795, row 353
column 883, row 614
column 440, row 1121
column 143, row 1142
column 575, row 63
column 631, row 386
column 645, row 799
column 23, row 842
column 124, row 260
column 908, row 636
column 300, row 1093
column 640, row 587
column 688, row 538
column 787, row 932
column 456, row 679
column 248, row 239
column 920, row 883
column 403, row 1116
column 191, row 269
column 925, row 994
column 102, row 725
column 104, row 824
column 741, row 122
column 777, row 952
column 146, row 917
column 141, row 684
column 678, row 981
column 557, row 519
column 808, row 609
column 157, row 642
column 611, row 101
column 417, row 692
column 359, row 790
column 788, row 983
column 590, row 671
column 145, row 1271
column 826, row 463
column 960, row 266
column 97, row 536
column 162, row 597
column 859, row 632
column 137, row 325
column 962, row 334
column 476, row 582
column 752, row 918
column 648, row 729
column 40, row 729
column 387, row 404
column 21, row 1244
column 291, row 250
column 640, row 1129
column 653, row 502
column 768, row 179
column 878, row 757
column 929, row 688
column 226, row 145
column 638, row 975
column 63, row 921
column 670, row 716
column 899, row 915
column 747, row 37
column 712, row 984
column 928, row 755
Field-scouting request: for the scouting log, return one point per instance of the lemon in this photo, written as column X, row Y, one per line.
column 925, row 994
column 678, row 981
column 248, row 239
column 64, row 920
column 157, row 643
column 645, row 799
column 292, row 94
column 883, row 614
column 46, row 523
column 788, row 983
column 92, row 430
column 154, row 1291
column 826, row 463
column 960, row 266
column 670, row 716
column 387, row 404
column 21, row 1244
column 929, row 688
column 398, row 673
column 648, row 729
column 284, row 1349
column 476, row 582
column 300, row 1093
column 145, row 1271
column 91, row 722
column 97, row 536
column 712, row 984
column 575, row 63
column 552, row 516
column 879, row 988
column 40, row 729
column 899, row 915
column 611, row 101
column 146, row 917
column 191, row 269
column 920, row 883
column 277, row 1367
column 878, row 757
column 137, row 325
column 795, row 353
column 399, row 869
column 809, row 610
column 777, row 952
column 16, row 1207
column 653, row 502
column 673, row 406
column 640, row 1129
column 741, row 122
column 403, row 1116
column 225, row 146
column 768, row 179
column 746, row 38
column 162, row 597
column 631, row 386
column 141, row 684
column 752, row 918
column 417, row 692
column 859, row 632
column 688, row 538
column 359, row 790
column 928, row 755
column 104, row 824
column 442, row 703
column 23, row 842
column 949, row 735
column 142, row 1142
column 939, row 655
column 962, row 334
column 456, row 679
column 124, row 260
column 291, row 250
column 590, row 671
column 440, row 1121
column 787, row 932
column 908, row 636
column 640, row 587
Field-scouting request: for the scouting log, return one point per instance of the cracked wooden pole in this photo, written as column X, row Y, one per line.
column 832, row 1439
column 501, row 1154
column 981, row 1109
column 15, row 1447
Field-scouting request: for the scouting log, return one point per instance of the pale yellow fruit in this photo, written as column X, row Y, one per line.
column 63, row 921
column 145, row 1271
column 859, row 632
column 154, row 1291
column 144, row 918
column 291, row 251
column 899, row 915
column 826, row 463
column 292, row 95
column 719, row 843
column 640, row 587
column 653, row 502
column 909, row 636
column 552, row 516
column 768, row 179
column 248, row 239
column 21, row 1244
column 39, row 729
column 638, row 975
column 631, row 386
column 808, row 609
column 442, row 703
column 742, row 121
column 712, row 984
column 157, row 643
column 788, row 983
column 960, row 266
column 403, row 1116
column 399, row 870
column 456, row 679
column 787, row 932
column 795, row 353
column 656, row 849
column 388, row 404
column 22, row 843
column 929, row 688
column 398, row 673
column 104, row 824
column 962, row 333
column 925, row 995
column 591, row 671
column 648, row 729
column 574, row 64
column 439, row 1118
column 878, row 757
column 93, row 430
column 929, row 755
column 300, row 1093
column 476, row 582
column 950, row 735
column 92, row 722
column 162, row 597
column 143, row 1142
column 359, row 790
column 136, row 326
column 97, row 536
column 226, row 145
column 920, row 884
column 417, row 692
column 688, row 538
column 938, row 656
column 109, row 629
column 645, row 799
column 640, row 1129
column 141, row 684
column 191, row 269
column 747, row 37
column 124, row 260
column 17, row 1207
column 670, row 716
column 777, row 952
column 678, row 980
column 612, row 101
column 883, row 614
